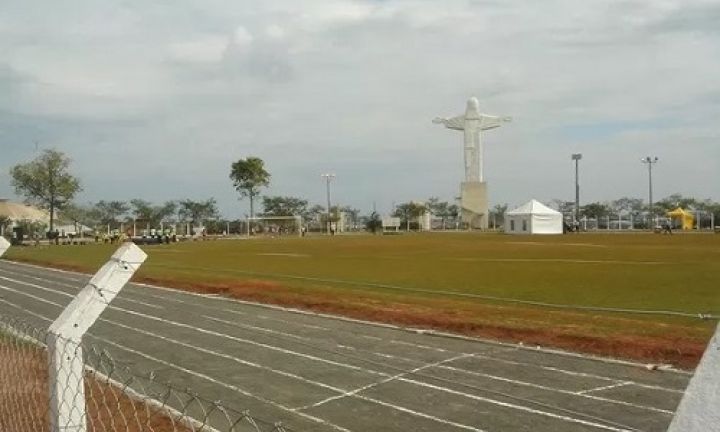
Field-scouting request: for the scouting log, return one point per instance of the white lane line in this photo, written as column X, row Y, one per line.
column 524, row 364
column 557, row 390
column 297, row 377
column 349, row 348
column 550, row 351
column 134, row 290
column 513, row 406
column 260, row 329
column 188, row 371
column 77, row 289
column 414, row 345
column 198, row 329
column 607, row 387
column 409, row 381
column 572, row 373
column 264, row 317
column 634, row 383
column 232, row 311
column 527, row 384
column 496, row 359
column 375, row 384
column 224, row 384
column 226, row 356
column 243, row 392
column 577, row 374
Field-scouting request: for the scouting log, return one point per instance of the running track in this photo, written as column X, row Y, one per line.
column 322, row 373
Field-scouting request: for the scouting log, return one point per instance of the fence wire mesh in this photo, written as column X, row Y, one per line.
column 116, row 399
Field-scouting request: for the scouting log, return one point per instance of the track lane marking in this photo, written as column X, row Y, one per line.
column 174, row 291
column 375, row 384
column 224, row 384
column 78, row 288
column 470, row 372
column 496, row 359
column 260, row 329
column 248, row 394
column 183, row 369
column 607, row 387
column 410, row 381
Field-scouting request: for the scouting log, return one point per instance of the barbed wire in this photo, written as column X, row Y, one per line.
column 117, row 399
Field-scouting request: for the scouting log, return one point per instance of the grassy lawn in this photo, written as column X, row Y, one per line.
column 425, row 279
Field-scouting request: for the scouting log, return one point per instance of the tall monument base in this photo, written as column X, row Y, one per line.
column 474, row 204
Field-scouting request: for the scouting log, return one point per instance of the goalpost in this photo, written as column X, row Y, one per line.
column 276, row 222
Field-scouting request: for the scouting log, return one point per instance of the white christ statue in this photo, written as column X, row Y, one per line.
column 472, row 123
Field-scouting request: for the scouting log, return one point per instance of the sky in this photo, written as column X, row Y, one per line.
column 155, row 100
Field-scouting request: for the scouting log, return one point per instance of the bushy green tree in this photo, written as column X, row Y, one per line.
column 627, row 205
column 373, row 223
column 152, row 214
column 197, row 212
column 674, row 201
column 79, row 215
column 284, row 206
column 409, row 211
column 595, row 210
column 248, row 176
column 110, row 212
column 46, row 182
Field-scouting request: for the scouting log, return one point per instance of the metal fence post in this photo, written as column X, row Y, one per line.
column 66, row 367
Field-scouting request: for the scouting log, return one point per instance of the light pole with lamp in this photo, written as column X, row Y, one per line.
column 650, row 161
column 328, row 178
column 576, row 157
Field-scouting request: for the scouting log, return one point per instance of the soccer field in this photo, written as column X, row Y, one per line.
column 477, row 284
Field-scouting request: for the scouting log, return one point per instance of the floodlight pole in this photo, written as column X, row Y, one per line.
column 328, row 178
column 649, row 161
column 576, row 157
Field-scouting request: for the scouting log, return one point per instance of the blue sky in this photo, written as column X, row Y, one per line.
column 155, row 100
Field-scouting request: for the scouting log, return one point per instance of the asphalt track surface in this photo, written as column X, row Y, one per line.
column 324, row 373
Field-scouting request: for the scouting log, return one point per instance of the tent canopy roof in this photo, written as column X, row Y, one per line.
column 17, row 212
column 533, row 207
column 678, row 212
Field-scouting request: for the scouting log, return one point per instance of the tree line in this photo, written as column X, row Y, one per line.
column 47, row 183
column 638, row 207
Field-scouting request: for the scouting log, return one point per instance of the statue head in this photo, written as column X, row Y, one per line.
column 473, row 104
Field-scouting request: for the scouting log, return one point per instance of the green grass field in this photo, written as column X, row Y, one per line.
column 423, row 279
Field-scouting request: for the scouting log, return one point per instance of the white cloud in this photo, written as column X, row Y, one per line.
column 274, row 31
column 351, row 86
column 242, row 37
column 203, row 49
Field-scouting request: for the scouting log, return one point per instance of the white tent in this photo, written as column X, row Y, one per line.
column 17, row 212
column 533, row 217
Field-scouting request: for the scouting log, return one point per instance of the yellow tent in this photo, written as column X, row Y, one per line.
column 686, row 219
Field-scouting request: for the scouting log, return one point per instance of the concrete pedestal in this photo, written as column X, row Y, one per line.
column 474, row 204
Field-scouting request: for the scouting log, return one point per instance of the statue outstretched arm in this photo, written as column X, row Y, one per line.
column 491, row 122
column 457, row 123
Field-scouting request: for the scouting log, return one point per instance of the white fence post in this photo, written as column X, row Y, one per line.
column 4, row 245
column 67, row 391
column 698, row 408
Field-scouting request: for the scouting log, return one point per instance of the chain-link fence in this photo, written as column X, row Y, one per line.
column 116, row 399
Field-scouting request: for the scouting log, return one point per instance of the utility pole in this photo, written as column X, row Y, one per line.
column 650, row 161
column 328, row 178
column 576, row 157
